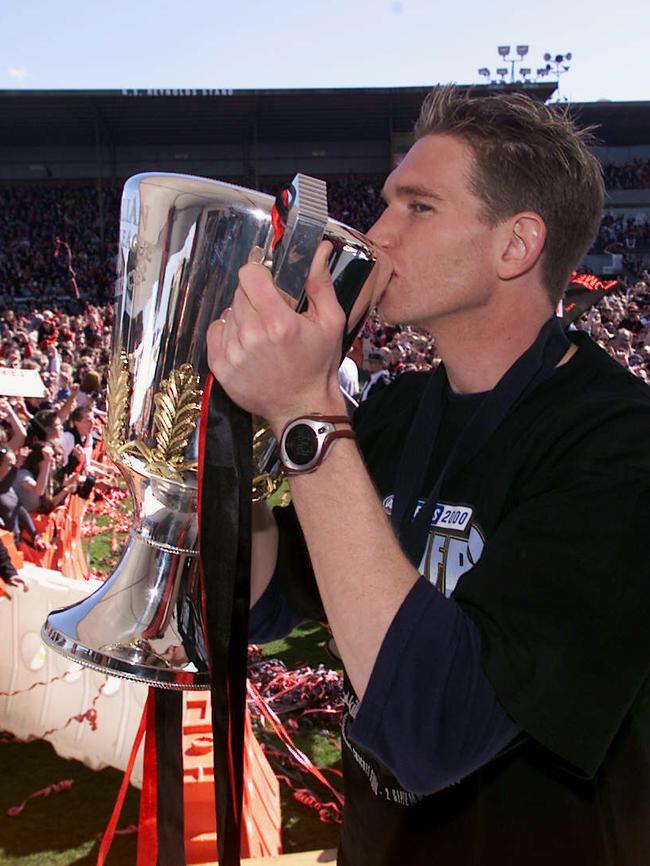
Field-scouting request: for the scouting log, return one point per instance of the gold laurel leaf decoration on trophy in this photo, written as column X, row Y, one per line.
column 264, row 483
column 178, row 406
column 119, row 390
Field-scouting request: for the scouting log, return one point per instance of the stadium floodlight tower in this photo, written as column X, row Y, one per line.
column 504, row 52
column 559, row 61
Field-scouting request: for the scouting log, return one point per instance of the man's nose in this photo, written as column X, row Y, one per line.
column 383, row 232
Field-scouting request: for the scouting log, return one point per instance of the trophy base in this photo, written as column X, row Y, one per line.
column 132, row 661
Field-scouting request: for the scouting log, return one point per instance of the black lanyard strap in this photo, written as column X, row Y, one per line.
column 535, row 366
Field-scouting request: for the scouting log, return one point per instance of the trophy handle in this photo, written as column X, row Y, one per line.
column 299, row 219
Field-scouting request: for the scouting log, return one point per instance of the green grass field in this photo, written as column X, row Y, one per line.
column 63, row 829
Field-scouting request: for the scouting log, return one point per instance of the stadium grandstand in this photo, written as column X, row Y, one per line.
column 64, row 156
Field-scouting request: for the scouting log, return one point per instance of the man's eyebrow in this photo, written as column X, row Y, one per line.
column 406, row 190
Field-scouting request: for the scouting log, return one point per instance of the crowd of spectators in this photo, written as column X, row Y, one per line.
column 619, row 323
column 623, row 234
column 53, row 239
column 47, row 441
column 632, row 175
column 59, row 243
column 357, row 203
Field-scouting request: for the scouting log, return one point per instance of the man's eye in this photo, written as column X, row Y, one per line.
column 419, row 207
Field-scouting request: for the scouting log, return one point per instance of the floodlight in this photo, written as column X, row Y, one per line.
column 502, row 71
column 522, row 50
column 503, row 50
column 484, row 71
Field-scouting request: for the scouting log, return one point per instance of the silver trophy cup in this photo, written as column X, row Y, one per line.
column 182, row 242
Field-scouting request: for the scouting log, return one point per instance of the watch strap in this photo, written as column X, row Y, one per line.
column 333, row 419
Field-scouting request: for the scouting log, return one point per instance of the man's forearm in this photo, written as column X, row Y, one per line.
column 363, row 576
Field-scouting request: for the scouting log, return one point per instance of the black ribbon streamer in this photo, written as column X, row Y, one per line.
column 169, row 801
column 225, row 535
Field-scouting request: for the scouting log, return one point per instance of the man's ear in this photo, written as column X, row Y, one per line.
column 523, row 244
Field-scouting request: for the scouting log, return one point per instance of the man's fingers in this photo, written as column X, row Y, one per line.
column 256, row 255
column 320, row 291
column 224, row 348
column 245, row 321
column 275, row 316
column 214, row 341
column 256, row 282
column 259, row 316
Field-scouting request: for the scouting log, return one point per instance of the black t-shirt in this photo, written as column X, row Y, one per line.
column 540, row 539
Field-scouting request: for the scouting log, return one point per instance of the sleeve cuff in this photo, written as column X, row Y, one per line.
column 429, row 715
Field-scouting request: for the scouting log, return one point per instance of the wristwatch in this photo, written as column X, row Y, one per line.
column 306, row 441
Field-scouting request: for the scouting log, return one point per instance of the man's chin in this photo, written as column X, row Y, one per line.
column 388, row 313
column 392, row 316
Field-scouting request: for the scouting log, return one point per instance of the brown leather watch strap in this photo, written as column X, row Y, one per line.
column 333, row 419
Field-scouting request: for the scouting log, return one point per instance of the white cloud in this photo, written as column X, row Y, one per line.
column 17, row 73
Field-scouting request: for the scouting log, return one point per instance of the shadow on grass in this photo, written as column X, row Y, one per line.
column 302, row 829
column 304, row 646
column 62, row 829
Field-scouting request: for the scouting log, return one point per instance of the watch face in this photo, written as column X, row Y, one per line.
column 301, row 444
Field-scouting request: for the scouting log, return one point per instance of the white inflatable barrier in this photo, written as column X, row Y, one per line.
column 25, row 661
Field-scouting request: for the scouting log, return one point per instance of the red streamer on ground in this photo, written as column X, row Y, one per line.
column 59, row 244
column 329, row 813
column 304, row 691
column 129, row 830
column 106, row 504
column 111, row 828
column 34, row 686
column 298, row 691
column 89, row 715
column 56, row 788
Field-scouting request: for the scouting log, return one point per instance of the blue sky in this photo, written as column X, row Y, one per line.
column 340, row 43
